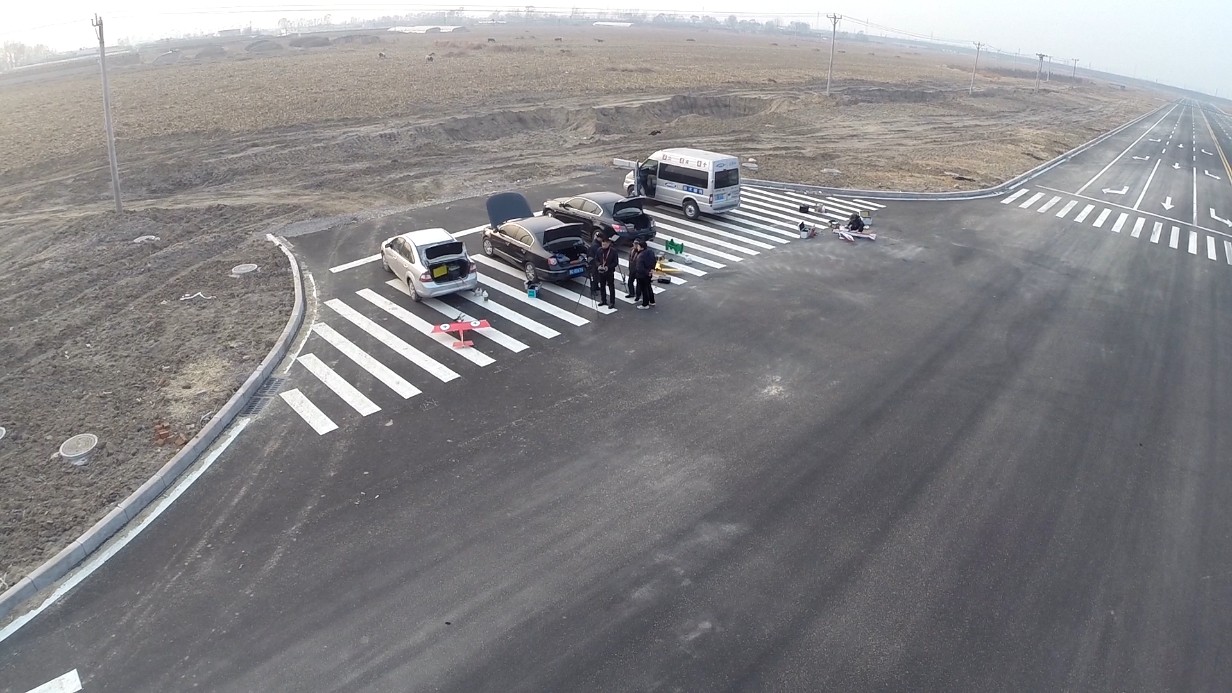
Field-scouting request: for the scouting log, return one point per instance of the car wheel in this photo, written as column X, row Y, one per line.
column 630, row 191
column 487, row 247
column 530, row 272
column 690, row 209
column 410, row 285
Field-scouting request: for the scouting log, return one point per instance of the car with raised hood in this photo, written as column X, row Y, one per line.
column 622, row 219
column 545, row 248
column 432, row 262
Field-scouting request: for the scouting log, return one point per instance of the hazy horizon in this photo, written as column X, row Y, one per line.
column 1181, row 48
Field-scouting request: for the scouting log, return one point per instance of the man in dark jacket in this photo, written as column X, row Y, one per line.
column 644, row 265
column 592, row 262
column 856, row 223
column 606, row 262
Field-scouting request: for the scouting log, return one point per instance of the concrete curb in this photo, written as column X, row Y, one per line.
column 994, row 191
column 57, row 567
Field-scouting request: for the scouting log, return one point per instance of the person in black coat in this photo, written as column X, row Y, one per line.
column 644, row 266
column 856, row 223
column 606, row 261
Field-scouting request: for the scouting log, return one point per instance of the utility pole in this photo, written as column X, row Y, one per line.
column 1074, row 76
column 1049, row 77
column 1039, row 70
column 833, row 38
column 97, row 22
column 975, row 67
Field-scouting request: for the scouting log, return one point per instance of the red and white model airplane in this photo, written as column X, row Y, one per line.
column 460, row 327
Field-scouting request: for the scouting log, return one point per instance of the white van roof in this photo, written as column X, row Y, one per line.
column 692, row 158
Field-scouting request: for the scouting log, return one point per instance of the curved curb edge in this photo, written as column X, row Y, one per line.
column 128, row 509
column 993, row 191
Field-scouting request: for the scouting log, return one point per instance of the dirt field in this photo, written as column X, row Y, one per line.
column 220, row 144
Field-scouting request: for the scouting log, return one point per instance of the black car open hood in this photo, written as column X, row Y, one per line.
column 628, row 207
column 505, row 206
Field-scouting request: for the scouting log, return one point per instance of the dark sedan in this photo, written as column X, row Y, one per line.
column 546, row 248
column 619, row 218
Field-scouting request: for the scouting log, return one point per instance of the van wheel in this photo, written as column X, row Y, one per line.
column 630, row 191
column 410, row 285
column 487, row 247
column 690, row 209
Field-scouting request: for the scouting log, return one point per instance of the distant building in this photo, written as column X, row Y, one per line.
column 230, row 33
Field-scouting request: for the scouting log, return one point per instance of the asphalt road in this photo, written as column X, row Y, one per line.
column 984, row 452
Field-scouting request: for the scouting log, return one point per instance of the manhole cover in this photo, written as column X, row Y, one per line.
column 78, row 448
column 243, row 269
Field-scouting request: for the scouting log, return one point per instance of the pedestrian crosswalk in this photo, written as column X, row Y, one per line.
column 1158, row 231
column 375, row 348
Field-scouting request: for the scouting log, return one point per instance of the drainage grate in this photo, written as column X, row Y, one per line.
column 268, row 390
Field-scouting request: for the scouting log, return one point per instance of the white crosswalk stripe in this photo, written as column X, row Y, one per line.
column 536, row 303
column 472, row 354
column 1120, row 223
column 1210, row 248
column 454, row 314
column 870, row 205
column 529, row 324
column 1176, row 234
column 338, row 384
column 691, row 248
column 697, row 259
column 1084, row 213
column 1138, row 227
column 1103, row 216
column 1013, row 197
column 710, row 228
column 365, row 361
column 1227, row 251
column 1066, row 209
column 578, row 300
column 1031, row 200
column 308, row 411
column 708, row 239
column 389, row 339
column 1156, row 231
column 1049, row 204
column 1193, row 242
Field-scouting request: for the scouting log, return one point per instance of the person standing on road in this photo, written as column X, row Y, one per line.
column 645, row 264
column 630, row 281
column 592, row 262
column 606, row 262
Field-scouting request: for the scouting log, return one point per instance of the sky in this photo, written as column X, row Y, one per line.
column 1179, row 42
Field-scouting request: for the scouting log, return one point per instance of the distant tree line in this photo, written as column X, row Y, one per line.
column 15, row 54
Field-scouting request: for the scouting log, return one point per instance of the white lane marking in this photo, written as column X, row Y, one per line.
column 472, row 354
column 338, row 384
column 1146, row 187
column 1084, row 213
column 845, row 205
column 1210, row 247
column 696, row 258
column 389, row 339
column 511, row 315
column 540, row 304
column 1158, row 229
column 620, row 291
column 365, row 360
column 1131, row 146
column 491, row 333
column 767, row 231
column 1049, row 204
column 1068, row 206
column 573, row 297
column 1138, row 227
column 692, row 225
column 692, row 247
column 1176, row 236
column 477, row 229
column 1120, row 223
column 1227, row 251
column 308, row 412
column 65, row 683
column 1015, row 196
column 1194, row 220
column 792, row 198
column 872, row 205
column 1103, row 216
column 709, row 239
column 624, row 264
column 1031, row 200
column 674, row 264
column 355, row 263
column 1193, row 242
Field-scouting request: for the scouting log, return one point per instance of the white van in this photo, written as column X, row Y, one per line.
column 696, row 181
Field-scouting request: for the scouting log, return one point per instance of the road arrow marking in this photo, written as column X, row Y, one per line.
column 1208, row 153
column 1181, row 145
column 1212, row 175
column 1216, row 217
column 1154, row 140
column 1122, row 191
column 1142, row 158
column 1168, row 203
column 1176, row 166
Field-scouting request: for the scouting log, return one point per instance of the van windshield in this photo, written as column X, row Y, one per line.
column 726, row 179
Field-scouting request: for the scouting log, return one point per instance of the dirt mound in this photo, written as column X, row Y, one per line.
column 168, row 58
column 361, row 39
column 263, row 46
column 210, row 52
column 851, row 97
column 309, row 42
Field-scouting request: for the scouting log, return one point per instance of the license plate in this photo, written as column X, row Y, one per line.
column 576, row 271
